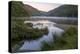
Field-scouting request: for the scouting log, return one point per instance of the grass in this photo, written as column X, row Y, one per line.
column 21, row 31
column 65, row 26
column 17, row 9
column 68, row 40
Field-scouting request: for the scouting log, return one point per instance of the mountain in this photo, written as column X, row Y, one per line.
column 61, row 11
column 64, row 11
column 17, row 9
column 33, row 11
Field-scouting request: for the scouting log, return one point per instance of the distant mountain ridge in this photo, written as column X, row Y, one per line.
column 62, row 11
column 18, row 9
column 65, row 10
column 33, row 11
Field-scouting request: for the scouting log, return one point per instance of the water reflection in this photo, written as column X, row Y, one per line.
column 37, row 44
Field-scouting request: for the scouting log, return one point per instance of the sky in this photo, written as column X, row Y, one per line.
column 43, row 6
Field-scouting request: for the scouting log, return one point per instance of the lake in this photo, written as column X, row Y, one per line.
column 62, row 20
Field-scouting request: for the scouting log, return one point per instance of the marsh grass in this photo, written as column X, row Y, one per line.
column 21, row 31
column 68, row 40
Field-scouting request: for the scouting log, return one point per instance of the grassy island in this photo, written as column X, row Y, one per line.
column 21, row 31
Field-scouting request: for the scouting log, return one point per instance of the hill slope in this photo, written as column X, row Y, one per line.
column 33, row 11
column 17, row 9
column 65, row 10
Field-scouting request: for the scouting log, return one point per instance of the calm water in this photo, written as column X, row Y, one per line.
column 48, row 17
column 37, row 44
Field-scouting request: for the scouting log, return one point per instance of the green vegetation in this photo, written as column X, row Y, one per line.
column 21, row 31
column 33, row 11
column 68, row 40
column 17, row 9
column 65, row 11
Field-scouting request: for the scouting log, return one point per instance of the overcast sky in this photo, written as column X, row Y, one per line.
column 43, row 6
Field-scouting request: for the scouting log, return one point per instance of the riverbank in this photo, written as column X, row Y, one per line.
column 65, row 26
column 34, row 37
column 68, row 40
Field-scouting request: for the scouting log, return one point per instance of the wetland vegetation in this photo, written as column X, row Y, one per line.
column 26, row 38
